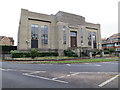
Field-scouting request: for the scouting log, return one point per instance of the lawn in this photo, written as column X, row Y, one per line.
column 76, row 61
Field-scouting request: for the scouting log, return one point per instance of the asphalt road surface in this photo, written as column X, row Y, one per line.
column 83, row 75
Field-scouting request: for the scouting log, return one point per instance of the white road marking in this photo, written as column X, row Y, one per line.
column 110, row 62
column 105, row 62
column 75, row 73
column 35, row 72
column 3, row 69
column 65, row 76
column 86, row 63
column 45, row 78
column 68, row 75
column 97, row 65
column 58, row 77
column 95, row 72
column 32, row 72
column 68, row 64
column 109, row 80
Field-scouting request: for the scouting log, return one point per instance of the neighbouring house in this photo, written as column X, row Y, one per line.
column 112, row 42
column 57, row 32
column 8, row 41
column 7, row 44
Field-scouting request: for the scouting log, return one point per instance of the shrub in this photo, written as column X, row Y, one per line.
column 111, row 50
column 14, row 51
column 106, row 52
column 34, row 53
column 95, row 52
column 70, row 53
column 43, row 54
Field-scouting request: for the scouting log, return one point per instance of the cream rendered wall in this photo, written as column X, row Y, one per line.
column 99, row 37
column 60, row 35
column 53, row 33
column 23, row 31
column 84, row 36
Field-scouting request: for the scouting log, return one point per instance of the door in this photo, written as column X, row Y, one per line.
column 73, row 38
column 34, row 43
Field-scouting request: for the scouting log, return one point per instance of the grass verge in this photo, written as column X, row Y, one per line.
column 77, row 61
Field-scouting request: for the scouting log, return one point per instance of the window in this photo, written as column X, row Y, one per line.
column 64, row 35
column 34, row 36
column 44, row 34
column 116, row 39
column 110, row 45
column 81, row 36
column 34, row 32
column 89, row 38
column 73, row 34
column 94, row 40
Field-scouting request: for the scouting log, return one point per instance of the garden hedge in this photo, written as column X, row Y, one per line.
column 28, row 54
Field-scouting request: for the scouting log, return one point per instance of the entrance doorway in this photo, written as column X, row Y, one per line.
column 73, row 37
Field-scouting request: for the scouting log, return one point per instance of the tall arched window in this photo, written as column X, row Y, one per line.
column 64, row 35
column 94, row 40
column 44, row 34
column 34, row 36
column 89, row 38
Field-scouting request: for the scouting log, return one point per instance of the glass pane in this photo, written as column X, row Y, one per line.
column 73, row 33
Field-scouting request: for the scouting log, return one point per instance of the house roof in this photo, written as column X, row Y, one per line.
column 11, row 38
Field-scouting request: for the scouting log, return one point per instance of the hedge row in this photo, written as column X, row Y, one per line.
column 28, row 54
column 70, row 53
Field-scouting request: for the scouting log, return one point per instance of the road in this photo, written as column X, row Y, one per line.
column 82, row 75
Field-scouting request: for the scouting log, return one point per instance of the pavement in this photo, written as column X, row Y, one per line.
column 82, row 75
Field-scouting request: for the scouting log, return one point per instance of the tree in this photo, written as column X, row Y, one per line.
column 111, row 50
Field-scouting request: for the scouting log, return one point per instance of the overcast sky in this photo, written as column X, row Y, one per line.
column 104, row 12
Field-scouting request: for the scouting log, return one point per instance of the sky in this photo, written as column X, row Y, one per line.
column 104, row 12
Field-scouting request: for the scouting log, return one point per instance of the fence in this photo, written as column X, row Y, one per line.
column 6, row 56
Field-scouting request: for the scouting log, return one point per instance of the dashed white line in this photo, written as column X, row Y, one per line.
column 109, row 80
